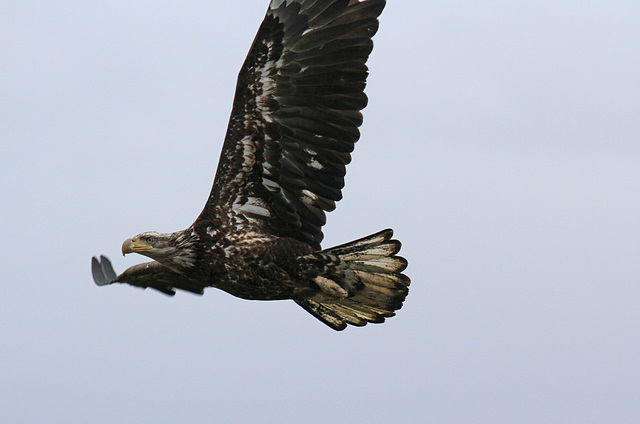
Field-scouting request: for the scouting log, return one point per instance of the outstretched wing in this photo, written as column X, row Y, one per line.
column 295, row 117
column 148, row 274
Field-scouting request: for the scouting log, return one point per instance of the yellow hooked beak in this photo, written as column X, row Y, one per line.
column 134, row 245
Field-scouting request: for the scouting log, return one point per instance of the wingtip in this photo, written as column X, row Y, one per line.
column 102, row 271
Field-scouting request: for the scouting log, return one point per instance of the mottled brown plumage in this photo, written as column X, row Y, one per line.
column 293, row 127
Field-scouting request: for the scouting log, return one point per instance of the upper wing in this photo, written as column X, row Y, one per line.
column 295, row 117
column 148, row 274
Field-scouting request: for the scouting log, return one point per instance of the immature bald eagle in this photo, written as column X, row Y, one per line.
column 293, row 126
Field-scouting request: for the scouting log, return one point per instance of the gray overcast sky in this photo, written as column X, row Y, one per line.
column 501, row 142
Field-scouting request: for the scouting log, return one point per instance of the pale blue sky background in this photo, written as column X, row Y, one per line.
column 501, row 143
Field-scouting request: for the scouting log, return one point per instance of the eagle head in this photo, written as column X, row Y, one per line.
column 167, row 248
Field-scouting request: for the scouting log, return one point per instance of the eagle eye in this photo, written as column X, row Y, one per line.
column 151, row 240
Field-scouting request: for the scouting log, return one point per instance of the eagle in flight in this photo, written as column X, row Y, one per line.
column 293, row 127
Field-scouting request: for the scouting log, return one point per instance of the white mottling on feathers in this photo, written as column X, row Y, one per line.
column 229, row 251
column 268, row 170
column 253, row 207
column 272, row 186
column 266, row 82
column 248, row 150
column 314, row 164
column 185, row 259
column 249, row 240
column 255, row 211
column 309, row 198
column 184, row 236
column 182, row 257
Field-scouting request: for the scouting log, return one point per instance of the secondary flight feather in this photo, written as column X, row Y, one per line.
column 293, row 126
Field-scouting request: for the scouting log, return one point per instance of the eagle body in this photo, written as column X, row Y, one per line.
column 293, row 127
column 250, row 266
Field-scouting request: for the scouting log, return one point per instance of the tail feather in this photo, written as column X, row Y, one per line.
column 370, row 273
column 323, row 313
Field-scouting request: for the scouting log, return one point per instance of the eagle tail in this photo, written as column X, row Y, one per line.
column 362, row 282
